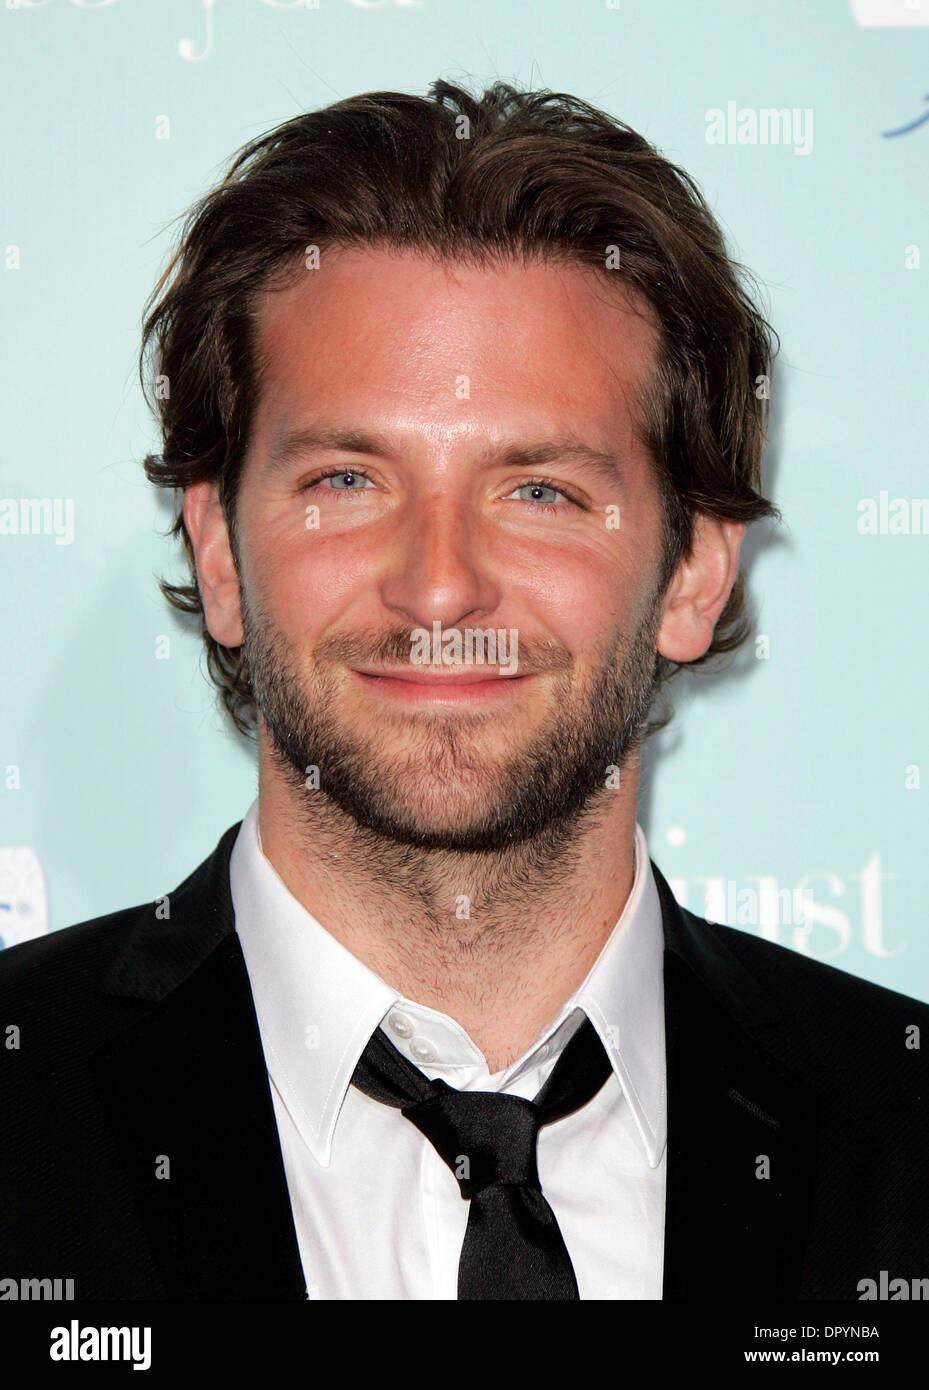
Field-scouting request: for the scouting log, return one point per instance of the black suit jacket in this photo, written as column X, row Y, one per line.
column 138, row 1042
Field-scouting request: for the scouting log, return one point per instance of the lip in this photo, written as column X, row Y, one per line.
column 469, row 686
column 426, row 676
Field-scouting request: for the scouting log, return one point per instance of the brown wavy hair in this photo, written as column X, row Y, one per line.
column 505, row 175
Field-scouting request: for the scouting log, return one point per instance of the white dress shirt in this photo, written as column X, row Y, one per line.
column 378, row 1214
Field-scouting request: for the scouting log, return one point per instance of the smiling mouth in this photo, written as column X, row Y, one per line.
column 426, row 676
column 424, row 684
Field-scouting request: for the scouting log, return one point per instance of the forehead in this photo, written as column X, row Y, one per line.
column 416, row 334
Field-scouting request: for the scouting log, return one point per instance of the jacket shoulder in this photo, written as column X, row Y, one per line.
column 862, row 1049
column 61, row 969
column 803, row 977
column 71, row 950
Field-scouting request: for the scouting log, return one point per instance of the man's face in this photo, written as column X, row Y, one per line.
column 430, row 523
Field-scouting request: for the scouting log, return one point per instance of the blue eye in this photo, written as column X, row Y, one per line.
column 348, row 479
column 536, row 490
column 543, row 495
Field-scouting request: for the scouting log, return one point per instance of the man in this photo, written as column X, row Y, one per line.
column 463, row 398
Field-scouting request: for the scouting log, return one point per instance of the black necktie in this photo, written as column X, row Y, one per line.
column 512, row 1247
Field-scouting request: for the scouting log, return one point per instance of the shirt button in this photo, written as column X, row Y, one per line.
column 400, row 1024
column 422, row 1050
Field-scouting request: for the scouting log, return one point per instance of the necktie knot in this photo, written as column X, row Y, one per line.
column 485, row 1137
column 513, row 1247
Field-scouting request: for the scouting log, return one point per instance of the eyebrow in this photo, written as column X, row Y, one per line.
column 298, row 444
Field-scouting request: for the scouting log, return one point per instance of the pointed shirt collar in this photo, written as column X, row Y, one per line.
column 318, row 1004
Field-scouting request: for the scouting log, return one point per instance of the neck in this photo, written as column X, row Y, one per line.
column 498, row 940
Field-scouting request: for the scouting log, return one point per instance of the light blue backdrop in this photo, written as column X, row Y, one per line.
column 799, row 770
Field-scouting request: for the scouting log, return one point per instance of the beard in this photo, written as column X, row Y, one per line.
column 444, row 785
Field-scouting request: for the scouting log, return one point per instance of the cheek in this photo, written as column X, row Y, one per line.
column 581, row 594
column 580, row 599
column 308, row 580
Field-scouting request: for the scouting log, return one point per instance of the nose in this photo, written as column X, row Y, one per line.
column 438, row 572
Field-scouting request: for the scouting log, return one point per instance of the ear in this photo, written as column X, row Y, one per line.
column 216, row 571
column 699, row 588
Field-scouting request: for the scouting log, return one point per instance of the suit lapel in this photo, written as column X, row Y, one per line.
column 741, row 1127
column 188, row 1091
